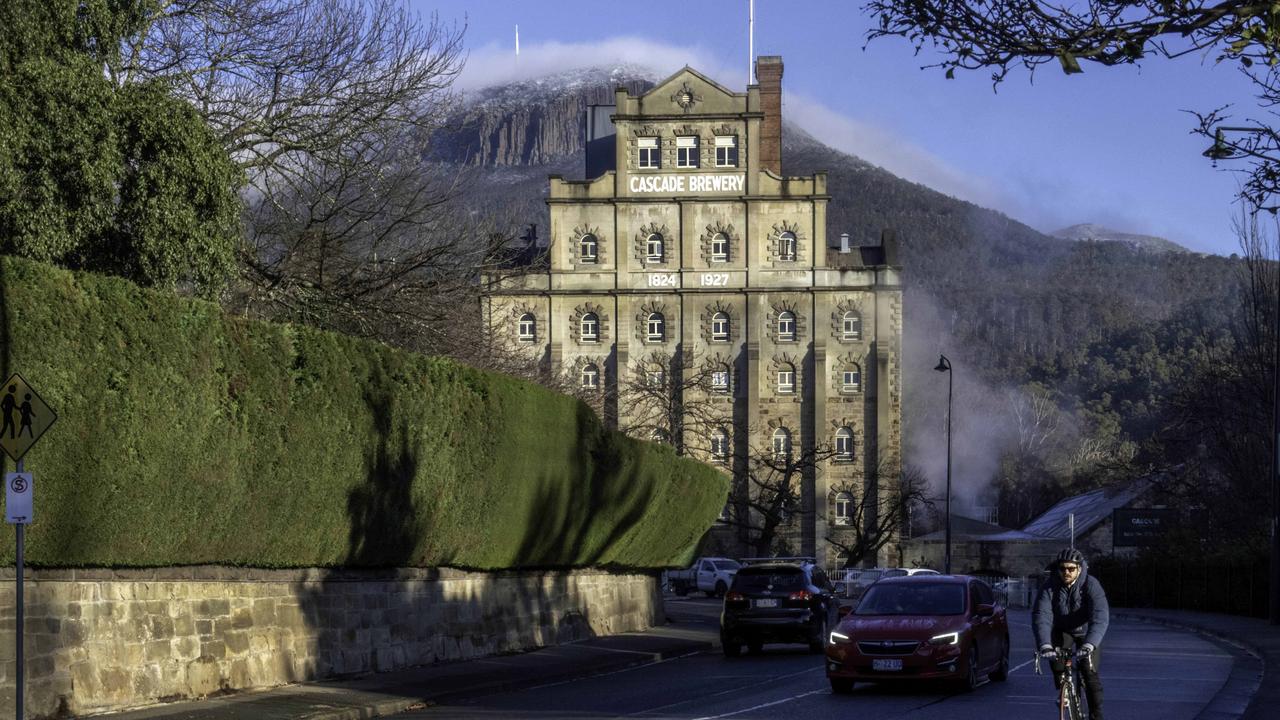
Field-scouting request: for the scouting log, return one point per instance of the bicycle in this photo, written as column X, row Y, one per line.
column 1069, row 706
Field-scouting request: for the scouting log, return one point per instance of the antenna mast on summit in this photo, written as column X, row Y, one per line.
column 517, row 44
column 751, row 42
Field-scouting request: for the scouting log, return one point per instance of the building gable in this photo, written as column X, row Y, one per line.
column 690, row 92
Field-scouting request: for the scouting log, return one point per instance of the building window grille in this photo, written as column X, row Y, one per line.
column 687, row 151
column 782, row 443
column 720, row 445
column 656, row 328
column 726, row 151
column 720, row 380
column 844, row 444
column 655, row 249
column 590, row 377
column 528, row 328
column 590, row 327
column 786, row 326
column 787, row 379
column 844, row 509
column 660, row 436
column 650, row 158
column 720, row 248
column 851, row 325
column 851, row 379
column 589, row 249
column 720, row 327
column 787, row 246
column 656, row 379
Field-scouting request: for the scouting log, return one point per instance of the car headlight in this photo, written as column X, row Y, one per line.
column 950, row 638
column 837, row 638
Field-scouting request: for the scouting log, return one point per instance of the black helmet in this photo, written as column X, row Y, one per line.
column 1069, row 555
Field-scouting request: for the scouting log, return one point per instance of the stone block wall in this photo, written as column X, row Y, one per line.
column 104, row 640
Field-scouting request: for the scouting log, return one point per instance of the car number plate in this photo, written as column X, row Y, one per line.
column 881, row 664
column 767, row 602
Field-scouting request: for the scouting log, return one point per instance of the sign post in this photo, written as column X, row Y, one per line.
column 24, row 417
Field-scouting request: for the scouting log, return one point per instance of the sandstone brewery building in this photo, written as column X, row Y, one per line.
column 690, row 293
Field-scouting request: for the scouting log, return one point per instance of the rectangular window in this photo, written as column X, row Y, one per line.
column 720, row 380
column 851, row 381
column 650, row 158
column 687, row 151
column 726, row 151
column 786, row 381
column 657, row 379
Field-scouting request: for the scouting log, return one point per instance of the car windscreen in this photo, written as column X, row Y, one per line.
column 755, row 580
column 912, row 599
column 727, row 564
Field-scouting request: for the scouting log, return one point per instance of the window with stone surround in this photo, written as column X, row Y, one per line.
column 851, row 325
column 787, row 246
column 655, row 249
column 720, row 445
column 720, row 248
column 720, row 327
column 850, row 378
column 786, row 379
column 726, row 151
column 782, row 443
column 527, row 329
column 650, row 154
column 588, row 249
column 786, row 326
column 844, row 509
column 844, row 444
column 656, row 328
column 590, row 328
column 687, row 151
column 590, row 377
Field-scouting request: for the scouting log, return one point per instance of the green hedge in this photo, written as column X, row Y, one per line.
column 185, row 436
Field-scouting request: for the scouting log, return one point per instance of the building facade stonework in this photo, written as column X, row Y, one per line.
column 693, row 249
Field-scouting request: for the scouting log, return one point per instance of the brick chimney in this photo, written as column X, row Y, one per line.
column 769, row 77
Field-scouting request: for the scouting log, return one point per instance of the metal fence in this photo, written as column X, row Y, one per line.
column 1013, row 592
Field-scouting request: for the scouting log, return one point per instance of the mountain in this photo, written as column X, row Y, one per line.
column 1096, row 233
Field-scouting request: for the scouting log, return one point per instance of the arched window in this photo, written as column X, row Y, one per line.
column 590, row 377
column 851, row 325
column 720, row 327
column 844, row 444
column 787, row 246
column 656, row 328
column 655, row 249
column 590, row 327
column 720, row 378
column 528, row 328
column 786, row 378
column 588, row 249
column 782, row 443
column 720, row 445
column 786, row 326
column 719, row 248
column 660, row 436
column 844, row 509
column 851, row 378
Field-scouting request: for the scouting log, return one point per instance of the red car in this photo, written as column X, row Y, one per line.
column 945, row 627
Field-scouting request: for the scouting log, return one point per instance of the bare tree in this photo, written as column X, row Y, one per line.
column 880, row 510
column 329, row 107
column 1003, row 33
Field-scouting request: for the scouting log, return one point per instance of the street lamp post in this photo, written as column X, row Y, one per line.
column 1224, row 150
column 944, row 365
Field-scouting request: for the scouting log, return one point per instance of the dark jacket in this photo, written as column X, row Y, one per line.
column 1080, row 611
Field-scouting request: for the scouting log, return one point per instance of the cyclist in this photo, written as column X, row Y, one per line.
column 1071, row 611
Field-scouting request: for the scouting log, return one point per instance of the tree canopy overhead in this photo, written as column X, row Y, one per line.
column 126, row 180
column 1004, row 34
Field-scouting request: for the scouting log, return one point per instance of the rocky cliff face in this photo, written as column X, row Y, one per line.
column 534, row 122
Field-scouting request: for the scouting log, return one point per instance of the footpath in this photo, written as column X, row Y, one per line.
column 383, row 694
column 1251, row 693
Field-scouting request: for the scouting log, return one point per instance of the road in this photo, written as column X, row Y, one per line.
column 1148, row 672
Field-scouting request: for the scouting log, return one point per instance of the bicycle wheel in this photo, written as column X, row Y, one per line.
column 1073, row 701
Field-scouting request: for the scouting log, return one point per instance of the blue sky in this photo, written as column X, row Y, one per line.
column 1110, row 146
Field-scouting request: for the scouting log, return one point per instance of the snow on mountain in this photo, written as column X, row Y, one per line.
column 1096, row 233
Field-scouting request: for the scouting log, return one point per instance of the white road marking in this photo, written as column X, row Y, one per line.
column 756, row 681
column 765, row 705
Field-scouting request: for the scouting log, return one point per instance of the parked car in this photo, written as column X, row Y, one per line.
column 777, row 602
column 920, row 627
column 858, row 581
column 711, row 575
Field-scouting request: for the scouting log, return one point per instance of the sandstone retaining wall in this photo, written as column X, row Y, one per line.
column 101, row 640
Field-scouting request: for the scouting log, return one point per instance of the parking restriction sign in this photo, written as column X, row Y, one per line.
column 18, row 490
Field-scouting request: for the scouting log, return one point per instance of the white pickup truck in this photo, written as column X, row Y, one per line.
column 711, row 575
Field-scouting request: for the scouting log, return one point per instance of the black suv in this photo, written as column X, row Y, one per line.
column 774, row 601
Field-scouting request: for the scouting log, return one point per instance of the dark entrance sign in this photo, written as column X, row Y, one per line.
column 1137, row 527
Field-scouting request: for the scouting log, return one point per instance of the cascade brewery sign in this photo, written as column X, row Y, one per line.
column 670, row 184
column 1136, row 527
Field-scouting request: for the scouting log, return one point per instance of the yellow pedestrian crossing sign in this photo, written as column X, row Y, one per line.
column 24, row 417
